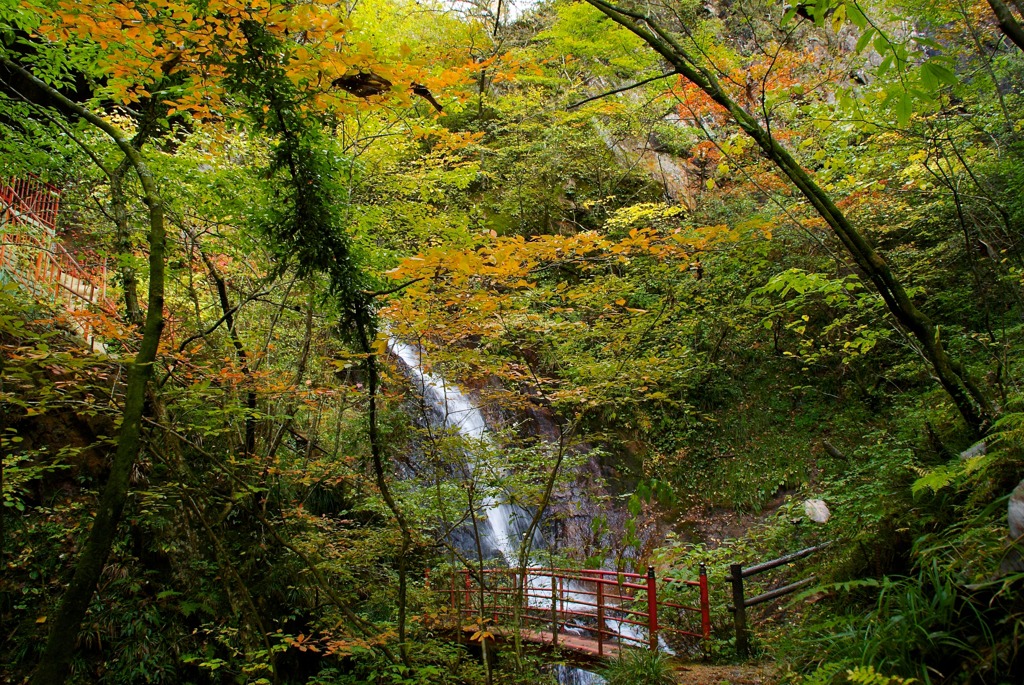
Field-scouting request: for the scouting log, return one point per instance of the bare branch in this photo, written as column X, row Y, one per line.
column 623, row 89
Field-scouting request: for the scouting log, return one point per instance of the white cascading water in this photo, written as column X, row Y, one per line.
column 568, row 675
column 451, row 408
column 445, row 399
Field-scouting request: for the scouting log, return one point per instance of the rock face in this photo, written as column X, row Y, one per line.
column 1015, row 512
column 817, row 510
column 978, row 449
column 1013, row 562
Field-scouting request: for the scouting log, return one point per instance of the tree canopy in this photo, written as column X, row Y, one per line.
column 685, row 266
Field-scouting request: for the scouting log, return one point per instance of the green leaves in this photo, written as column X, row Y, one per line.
column 948, row 474
column 583, row 34
column 868, row 676
column 919, row 91
column 934, row 73
column 801, row 282
column 912, row 70
column 904, row 108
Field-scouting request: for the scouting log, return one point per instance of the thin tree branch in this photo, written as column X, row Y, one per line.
column 392, row 291
column 623, row 89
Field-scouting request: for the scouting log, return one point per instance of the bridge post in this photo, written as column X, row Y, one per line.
column 495, row 596
column 554, row 610
column 652, row 608
column 469, row 599
column 600, row 614
column 561, row 593
column 521, row 598
column 705, row 604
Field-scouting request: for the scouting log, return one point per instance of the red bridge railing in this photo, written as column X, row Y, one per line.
column 597, row 607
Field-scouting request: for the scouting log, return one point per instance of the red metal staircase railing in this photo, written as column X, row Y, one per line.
column 31, row 256
column 31, row 200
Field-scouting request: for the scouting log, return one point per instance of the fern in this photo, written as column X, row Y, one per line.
column 867, row 675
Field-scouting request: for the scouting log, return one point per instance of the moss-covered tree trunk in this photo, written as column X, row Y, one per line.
column 123, row 243
column 364, row 331
column 64, row 627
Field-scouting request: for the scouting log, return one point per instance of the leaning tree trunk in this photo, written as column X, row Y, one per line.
column 968, row 398
column 64, row 627
column 1009, row 25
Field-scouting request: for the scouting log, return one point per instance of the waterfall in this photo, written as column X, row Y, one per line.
column 449, row 407
column 445, row 401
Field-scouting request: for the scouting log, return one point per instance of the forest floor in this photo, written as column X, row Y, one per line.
column 747, row 674
column 712, row 526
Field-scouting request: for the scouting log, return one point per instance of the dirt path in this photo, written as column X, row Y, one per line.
column 701, row 674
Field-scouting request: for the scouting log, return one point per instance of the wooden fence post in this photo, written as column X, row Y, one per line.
column 600, row 615
column 456, row 607
column 739, row 610
column 496, row 594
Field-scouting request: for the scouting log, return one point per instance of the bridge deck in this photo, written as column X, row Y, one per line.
column 576, row 643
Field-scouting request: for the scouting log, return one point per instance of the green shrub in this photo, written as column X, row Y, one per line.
column 922, row 626
column 640, row 667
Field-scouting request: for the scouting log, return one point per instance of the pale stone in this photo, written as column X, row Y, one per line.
column 976, row 450
column 817, row 510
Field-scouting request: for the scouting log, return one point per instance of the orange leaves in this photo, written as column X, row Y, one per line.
column 302, row 643
column 134, row 44
column 317, row 21
column 510, row 262
column 503, row 67
column 447, row 141
column 543, row 284
column 774, row 75
column 694, row 103
column 705, row 152
column 141, row 42
column 352, row 645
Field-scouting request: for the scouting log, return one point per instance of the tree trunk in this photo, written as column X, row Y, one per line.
column 123, row 244
column 1007, row 22
column 64, row 628
column 364, row 330
column 249, row 440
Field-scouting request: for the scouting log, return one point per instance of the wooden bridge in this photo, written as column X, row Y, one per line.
column 31, row 256
column 591, row 611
